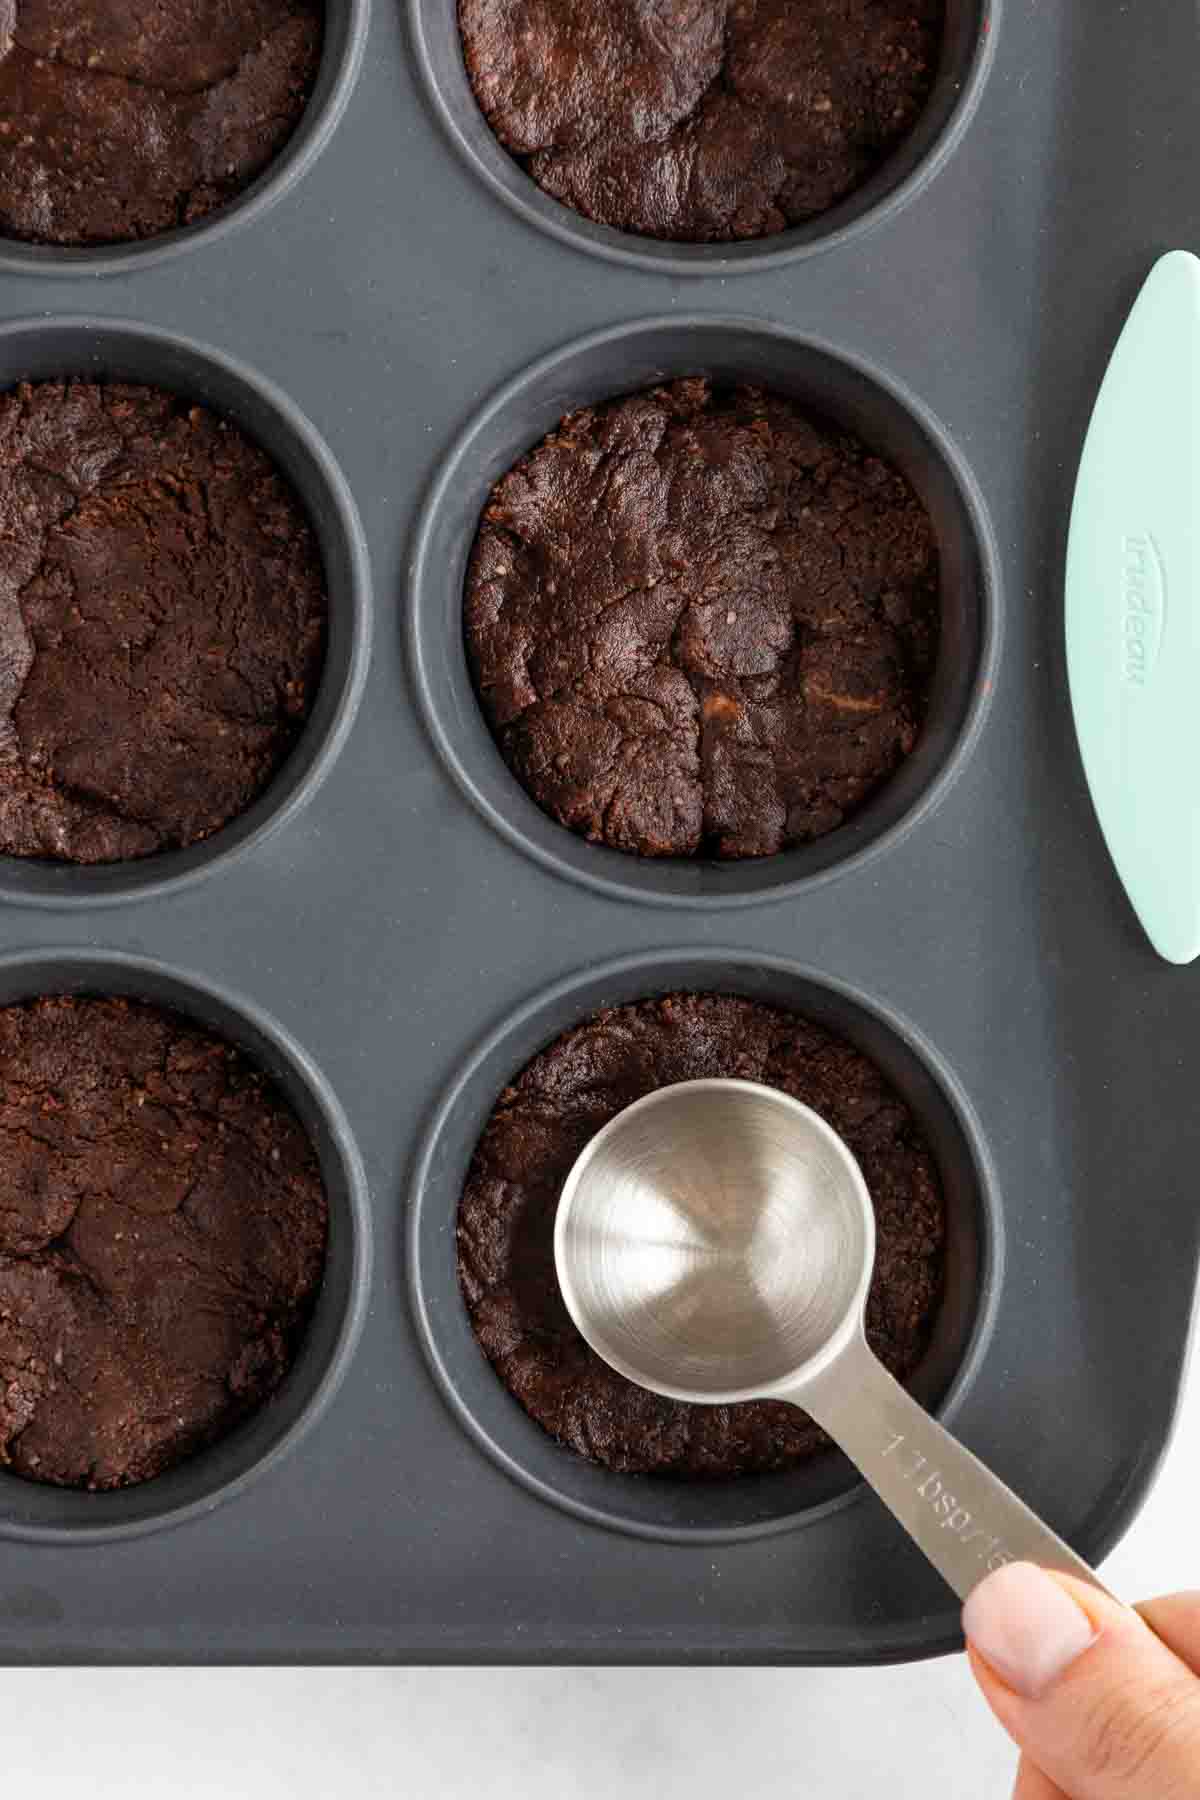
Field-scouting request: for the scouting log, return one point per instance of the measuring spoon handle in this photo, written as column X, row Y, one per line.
column 961, row 1515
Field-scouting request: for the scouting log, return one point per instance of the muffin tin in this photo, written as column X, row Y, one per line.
column 394, row 928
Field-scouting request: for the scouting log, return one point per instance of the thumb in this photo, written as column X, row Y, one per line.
column 1085, row 1688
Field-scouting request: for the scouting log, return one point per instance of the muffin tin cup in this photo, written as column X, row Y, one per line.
column 968, row 49
column 346, row 24
column 657, row 1507
column 52, row 1515
column 833, row 384
column 93, row 348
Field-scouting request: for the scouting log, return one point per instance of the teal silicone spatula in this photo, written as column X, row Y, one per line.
column 1133, row 607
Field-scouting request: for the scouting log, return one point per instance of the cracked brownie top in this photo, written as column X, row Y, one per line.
column 162, row 621
column 702, row 623
column 162, row 1237
column 701, row 120
column 120, row 120
column 551, row 1110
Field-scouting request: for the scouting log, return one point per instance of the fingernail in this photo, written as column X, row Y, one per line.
column 1027, row 1627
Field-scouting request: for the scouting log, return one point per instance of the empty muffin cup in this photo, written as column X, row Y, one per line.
column 239, row 125
column 713, row 1508
column 967, row 46
column 104, row 352
column 34, row 1509
column 835, row 390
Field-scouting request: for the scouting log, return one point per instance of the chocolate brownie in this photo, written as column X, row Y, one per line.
column 121, row 120
column 162, row 621
column 702, row 623
column 701, row 120
column 537, row 1129
column 162, row 1239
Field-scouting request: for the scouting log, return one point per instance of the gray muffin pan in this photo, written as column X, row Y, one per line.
column 396, row 313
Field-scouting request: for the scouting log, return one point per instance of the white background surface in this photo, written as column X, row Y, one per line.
column 546, row 1734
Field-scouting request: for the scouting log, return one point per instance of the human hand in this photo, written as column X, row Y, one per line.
column 1103, row 1701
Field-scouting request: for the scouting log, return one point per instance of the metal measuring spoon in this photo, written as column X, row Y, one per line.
column 715, row 1243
